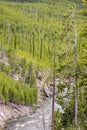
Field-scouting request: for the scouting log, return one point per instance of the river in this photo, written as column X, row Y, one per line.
column 35, row 121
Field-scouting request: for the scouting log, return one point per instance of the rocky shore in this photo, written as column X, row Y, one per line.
column 11, row 111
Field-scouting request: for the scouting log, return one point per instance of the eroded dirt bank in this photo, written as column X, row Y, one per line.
column 10, row 111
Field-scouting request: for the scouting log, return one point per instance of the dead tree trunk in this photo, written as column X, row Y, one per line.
column 76, row 67
column 33, row 45
column 54, row 72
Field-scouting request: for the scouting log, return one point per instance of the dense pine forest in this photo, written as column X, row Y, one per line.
column 41, row 35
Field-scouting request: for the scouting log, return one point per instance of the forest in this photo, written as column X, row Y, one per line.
column 38, row 35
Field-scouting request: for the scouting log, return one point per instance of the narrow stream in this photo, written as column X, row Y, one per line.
column 35, row 120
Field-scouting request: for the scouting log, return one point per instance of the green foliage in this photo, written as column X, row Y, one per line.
column 26, row 29
column 66, row 72
column 27, row 35
column 14, row 91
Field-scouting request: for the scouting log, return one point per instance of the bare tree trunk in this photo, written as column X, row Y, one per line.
column 36, row 14
column 15, row 38
column 41, row 48
column 43, row 111
column 54, row 69
column 33, row 44
column 75, row 63
column 20, row 34
column 4, row 36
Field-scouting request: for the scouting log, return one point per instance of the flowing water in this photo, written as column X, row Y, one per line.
column 35, row 121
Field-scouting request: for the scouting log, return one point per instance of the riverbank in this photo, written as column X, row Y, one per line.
column 36, row 120
column 12, row 111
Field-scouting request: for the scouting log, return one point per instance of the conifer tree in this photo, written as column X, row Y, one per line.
column 68, row 67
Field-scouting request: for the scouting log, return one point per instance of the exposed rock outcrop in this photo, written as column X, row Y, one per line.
column 10, row 111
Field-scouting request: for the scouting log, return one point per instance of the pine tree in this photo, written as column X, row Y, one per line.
column 68, row 68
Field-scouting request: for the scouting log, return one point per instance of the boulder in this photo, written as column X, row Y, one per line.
column 47, row 91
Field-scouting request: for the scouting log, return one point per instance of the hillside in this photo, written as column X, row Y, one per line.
column 26, row 43
column 38, row 37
